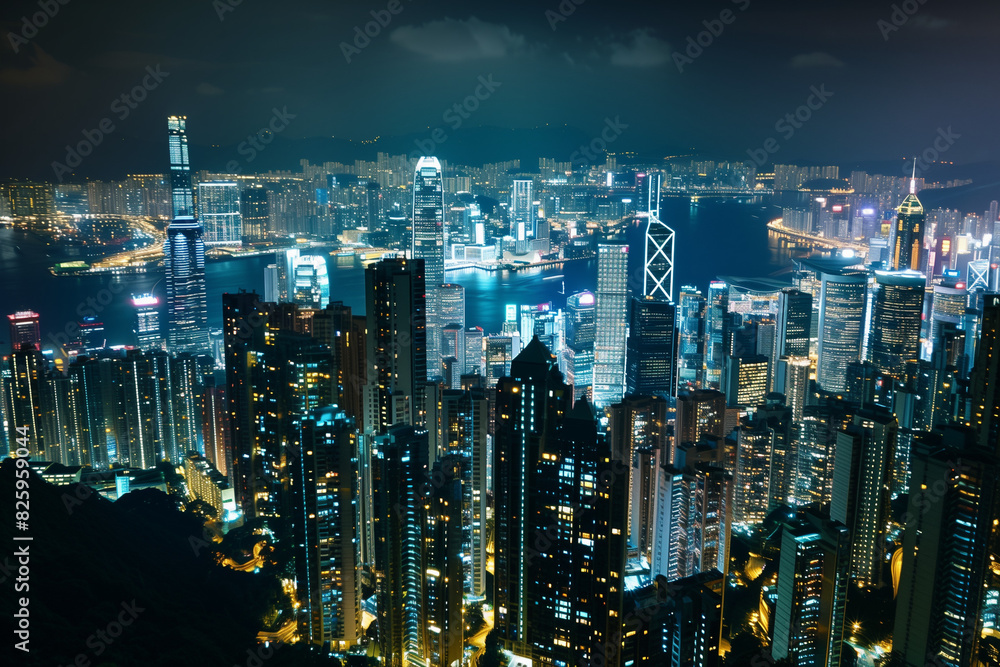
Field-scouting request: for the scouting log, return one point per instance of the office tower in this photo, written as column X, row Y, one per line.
column 255, row 212
column 463, row 431
column 58, row 421
column 577, row 357
column 985, row 378
column 531, row 400
column 810, row 612
column 897, row 310
column 187, row 388
column 691, row 335
column 948, row 550
column 272, row 283
column 428, row 245
column 23, row 383
column 522, row 209
column 765, row 463
column 909, row 238
column 88, row 413
column 841, row 317
column 219, row 212
column 452, row 305
column 638, row 429
column 658, row 262
column 145, row 424
column 816, row 445
column 444, row 577
column 375, row 201
column 746, row 379
column 611, row 322
column 214, row 426
column 693, row 520
column 474, row 351
column 793, row 323
column 651, row 348
column 24, row 330
column 181, row 193
column 310, row 282
column 717, row 315
column 949, row 301
column 792, row 380
column 862, row 484
column 147, row 321
column 396, row 343
column 700, row 413
column 326, row 529
column 244, row 320
column 187, row 314
column 399, row 474
column 498, row 353
column 674, row 624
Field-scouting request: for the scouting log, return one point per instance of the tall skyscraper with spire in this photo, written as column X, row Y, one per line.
column 909, row 242
column 181, row 192
column 428, row 245
column 184, row 253
column 658, row 276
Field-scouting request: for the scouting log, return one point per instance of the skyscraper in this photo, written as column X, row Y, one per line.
column 948, row 550
column 841, row 315
column 658, row 262
column 909, row 241
column 428, row 245
column 691, row 335
column 985, row 378
column 187, row 314
column 326, row 529
column 181, row 192
column 897, row 309
column 255, row 213
column 793, row 325
column 716, row 318
column 396, row 343
column 147, row 321
column 812, row 591
column 651, row 348
column 24, row 378
column 612, row 314
column 219, row 211
column 310, row 282
column 24, row 329
column 522, row 209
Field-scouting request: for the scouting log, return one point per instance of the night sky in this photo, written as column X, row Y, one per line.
column 228, row 66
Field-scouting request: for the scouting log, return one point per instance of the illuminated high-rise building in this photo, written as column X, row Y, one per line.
column 396, row 343
column 255, row 213
column 147, row 321
column 326, row 529
column 651, row 348
column 181, row 192
column 658, row 261
column 522, row 209
column 811, row 608
column 909, row 236
column 862, row 485
column 220, row 213
column 841, row 318
column 947, row 569
column 746, row 379
column 716, row 317
column 897, row 315
column 948, row 306
column 428, row 245
column 611, row 322
column 24, row 330
column 793, row 323
column 700, row 413
column 765, row 464
column 691, row 338
column 985, row 378
column 445, row 544
column 23, row 380
column 187, row 314
column 310, row 282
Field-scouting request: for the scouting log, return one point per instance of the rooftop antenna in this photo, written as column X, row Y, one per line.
column 913, row 179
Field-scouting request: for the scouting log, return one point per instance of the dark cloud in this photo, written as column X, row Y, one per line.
column 642, row 49
column 451, row 40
